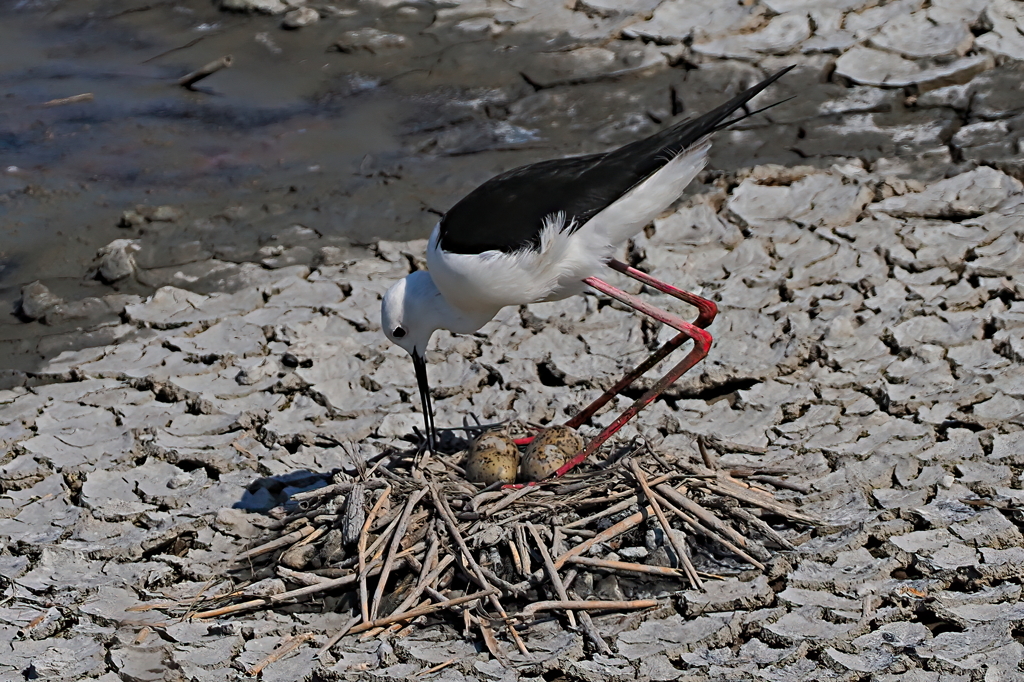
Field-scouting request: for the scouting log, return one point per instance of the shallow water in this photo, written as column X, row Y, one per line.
column 355, row 146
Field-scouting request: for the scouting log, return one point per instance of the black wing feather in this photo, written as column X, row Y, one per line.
column 507, row 212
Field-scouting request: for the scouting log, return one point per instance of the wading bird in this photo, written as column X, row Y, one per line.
column 543, row 232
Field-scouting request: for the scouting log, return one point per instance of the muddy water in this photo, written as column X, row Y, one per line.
column 355, row 145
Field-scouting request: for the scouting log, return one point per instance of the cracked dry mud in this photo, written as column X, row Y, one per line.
column 871, row 339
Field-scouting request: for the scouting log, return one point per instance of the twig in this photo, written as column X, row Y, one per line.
column 509, row 499
column 724, row 487
column 284, row 596
column 661, row 571
column 704, row 530
column 453, row 529
column 282, row 541
column 433, row 669
column 552, row 572
column 723, row 445
column 709, row 460
column 363, row 605
column 605, row 535
column 781, row 483
column 591, row 631
column 188, row 80
column 415, row 613
column 288, row 645
column 524, row 551
column 587, row 605
column 396, row 541
column 429, row 578
column 762, row 527
column 337, row 636
column 74, row 99
column 683, row 558
column 679, row 498
column 301, row 576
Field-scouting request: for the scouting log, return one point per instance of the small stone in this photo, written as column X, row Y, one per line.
column 261, row 6
column 371, row 40
column 167, row 214
column 303, row 16
column 37, row 299
column 116, row 261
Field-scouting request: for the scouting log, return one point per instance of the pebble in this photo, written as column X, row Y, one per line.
column 303, row 16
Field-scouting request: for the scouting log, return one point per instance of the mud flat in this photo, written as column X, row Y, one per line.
column 871, row 344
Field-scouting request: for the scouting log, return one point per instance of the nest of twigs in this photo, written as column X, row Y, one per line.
column 409, row 542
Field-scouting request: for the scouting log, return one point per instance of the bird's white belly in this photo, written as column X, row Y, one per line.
column 494, row 279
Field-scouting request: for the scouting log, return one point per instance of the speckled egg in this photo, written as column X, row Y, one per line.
column 548, row 451
column 492, row 457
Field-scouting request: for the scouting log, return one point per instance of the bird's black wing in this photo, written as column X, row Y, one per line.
column 507, row 212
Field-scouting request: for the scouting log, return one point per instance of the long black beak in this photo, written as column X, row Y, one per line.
column 428, row 411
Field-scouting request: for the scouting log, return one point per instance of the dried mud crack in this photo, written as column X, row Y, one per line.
column 867, row 374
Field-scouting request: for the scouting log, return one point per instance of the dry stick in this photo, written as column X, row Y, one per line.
column 661, row 571
column 514, row 551
column 74, row 99
column 709, row 459
column 428, row 578
column 731, row 489
column 301, row 576
column 363, row 606
column 552, row 572
column 188, row 80
column 761, row 527
column 335, row 489
column 453, row 529
column 422, row 611
column 394, row 627
column 311, row 537
column 614, row 508
column 605, row 535
column 588, row 605
column 679, row 498
column 288, row 645
column 524, row 551
column 680, row 550
column 430, row 559
column 590, row 501
column 781, row 483
column 282, row 541
column 396, row 541
column 509, row 499
column 591, row 631
column 487, row 633
column 284, row 596
column 372, row 569
column 436, row 668
column 337, row 636
column 707, row 532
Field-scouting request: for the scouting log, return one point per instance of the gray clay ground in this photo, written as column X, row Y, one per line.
column 871, row 337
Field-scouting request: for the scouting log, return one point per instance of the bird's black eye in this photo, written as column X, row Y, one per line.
column 398, row 333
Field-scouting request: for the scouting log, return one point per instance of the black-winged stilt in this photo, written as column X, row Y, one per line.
column 543, row 232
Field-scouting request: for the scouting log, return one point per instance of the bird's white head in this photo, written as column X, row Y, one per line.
column 411, row 311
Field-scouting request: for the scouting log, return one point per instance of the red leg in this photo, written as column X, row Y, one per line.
column 701, row 344
column 707, row 311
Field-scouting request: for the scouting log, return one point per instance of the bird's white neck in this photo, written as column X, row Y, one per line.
column 429, row 305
